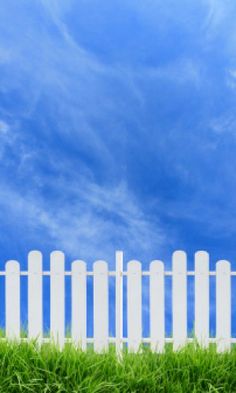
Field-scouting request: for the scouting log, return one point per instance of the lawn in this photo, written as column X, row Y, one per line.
column 24, row 368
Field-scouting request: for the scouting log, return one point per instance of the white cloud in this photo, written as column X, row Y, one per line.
column 231, row 78
column 79, row 90
column 224, row 124
column 4, row 127
column 93, row 225
column 6, row 139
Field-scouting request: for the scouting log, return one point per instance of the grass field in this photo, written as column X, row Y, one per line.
column 26, row 369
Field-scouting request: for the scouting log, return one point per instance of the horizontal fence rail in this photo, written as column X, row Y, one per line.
column 134, row 290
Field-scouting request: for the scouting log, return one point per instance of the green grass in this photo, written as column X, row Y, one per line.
column 26, row 369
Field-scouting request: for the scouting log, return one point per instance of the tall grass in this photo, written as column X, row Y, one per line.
column 24, row 368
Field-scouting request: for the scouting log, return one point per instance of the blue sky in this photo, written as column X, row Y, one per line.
column 117, row 129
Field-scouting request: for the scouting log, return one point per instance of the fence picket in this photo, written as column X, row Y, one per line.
column 119, row 302
column 157, row 311
column 202, row 298
column 57, row 297
column 78, row 299
column 100, row 301
column 179, row 299
column 134, row 305
column 223, row 306
column 35, row 296
column 12, row 300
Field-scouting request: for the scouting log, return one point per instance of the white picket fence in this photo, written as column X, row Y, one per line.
column 134, row 274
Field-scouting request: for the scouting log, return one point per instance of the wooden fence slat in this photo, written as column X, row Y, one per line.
column 157, row 304
column 119, row 302
column 12, row 300
column 35, row 296
column 202, row 298
column 179, row 299
column 57, row 297
column 100, row 302
column 134, row 305
column 79, row 308
column 223, row 306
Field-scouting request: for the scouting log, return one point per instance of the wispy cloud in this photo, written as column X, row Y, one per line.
column 4, row 127
column 98, row 221
column 113, row 137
